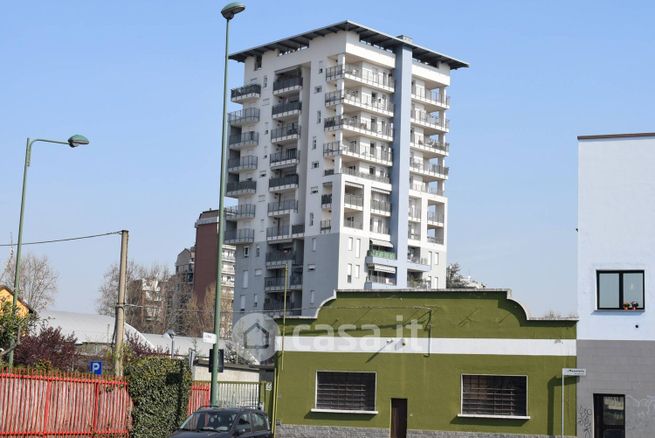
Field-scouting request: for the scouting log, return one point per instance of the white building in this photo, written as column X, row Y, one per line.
column 338, row 162
column 616, row 266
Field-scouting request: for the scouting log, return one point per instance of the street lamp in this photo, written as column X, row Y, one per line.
column 170, row 333
column 73, row 142
column 228, row 12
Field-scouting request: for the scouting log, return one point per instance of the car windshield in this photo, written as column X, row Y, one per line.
column 218, row 421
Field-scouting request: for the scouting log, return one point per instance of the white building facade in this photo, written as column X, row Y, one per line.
column 337, row 160
column 616, row 268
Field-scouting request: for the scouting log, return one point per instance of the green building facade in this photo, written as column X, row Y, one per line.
column 447, row 363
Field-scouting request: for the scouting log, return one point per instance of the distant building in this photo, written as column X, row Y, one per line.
column 184, row 266
column 616, row 273
column 147, row 305
column 7, row 295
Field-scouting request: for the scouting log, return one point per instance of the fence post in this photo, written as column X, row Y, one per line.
column 95, row 408
column 48, row 393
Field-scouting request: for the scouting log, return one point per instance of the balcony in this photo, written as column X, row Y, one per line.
column 431, row 171
column 389, row 255
column 414, row 214
column 278, row 283
column 380, row 228
column 326, row 200
column 435, row 239
column 375, row 280
column 236, row 237
column 286, row 158
column 378, row 106
column 245, row 116
column 430, row 147
column 358, row 75
column 326, row 226
column 426, row 188
column 429, row 123
column 382, row 131
column 287, row 206
column 431, row 98
column 243, row 211
column 287, row 86
column 413, row 235
column 240, row 187
column 353, row 202
column 412, row 258
column 237, row 165
column 243, row 140
column 286, row 110
column 359, row 174
column 354, row 224
column 436, row 219
column 380, row 207
column 246, row 93
column 282, row 183
column 285, row 232
column 280, row 258
column 356, row 150
column 418, row 284
column 286, row 133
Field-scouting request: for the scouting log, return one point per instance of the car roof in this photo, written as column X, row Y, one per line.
column 235, row 410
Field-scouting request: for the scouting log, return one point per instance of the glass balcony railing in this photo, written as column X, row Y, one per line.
column 286, row 107
column 287, row 83
column 278, row 157
column 358, row 73
column 433, row 96
column 283, row 181
column 250, row 138
column 285, row 131
column 239, row 186
column 238, row 211
column 286, row 205
column 382, row 254
column 246, row 90
column 374, row 128
column 246, row 115
column 247, row 162
column 240, row 236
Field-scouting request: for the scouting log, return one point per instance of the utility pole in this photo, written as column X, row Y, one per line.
column 120, row 307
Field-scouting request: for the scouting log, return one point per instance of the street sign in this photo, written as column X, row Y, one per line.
column 579, row 372
column 95, row 367
column 208, row 338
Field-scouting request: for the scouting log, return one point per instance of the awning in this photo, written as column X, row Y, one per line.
column 384, row 243
column 383, row 268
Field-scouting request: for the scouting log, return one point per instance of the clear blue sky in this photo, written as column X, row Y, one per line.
column 142, row 79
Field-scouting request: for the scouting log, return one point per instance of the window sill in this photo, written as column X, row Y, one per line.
column 500, row 417
column 620, row 311
column 342, row 411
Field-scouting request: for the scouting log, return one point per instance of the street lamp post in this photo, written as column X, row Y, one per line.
column 228, row 12
column 73, row 142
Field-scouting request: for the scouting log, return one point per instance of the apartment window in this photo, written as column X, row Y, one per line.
column 245, row 280
column 242, row 303
column 436, row 258
column 609, row 415
column 311, row 219
column 311, row 267
column 318, row 117
column 257, row 251
column 313, row 142
column 358, row 246
column 246, row 252
column 314, row 189
column 258, row 272
column 261, row 198
column 265, row 81
column 350, row 244
column 494, row 396
column 345, row 391
column 313, row 243
column 318, row 89
column 349, row 273
column 315, row 164
column 255, row 300
column 312, row 296
column 620, row 290
column 258, row 62
column 357, row 269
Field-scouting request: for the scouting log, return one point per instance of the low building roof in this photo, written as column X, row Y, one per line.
column 87, row 328
column 366, row 34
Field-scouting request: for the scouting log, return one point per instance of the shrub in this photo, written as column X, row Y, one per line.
column 159, row 388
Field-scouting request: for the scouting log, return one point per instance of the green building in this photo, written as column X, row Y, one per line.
column 446, row 363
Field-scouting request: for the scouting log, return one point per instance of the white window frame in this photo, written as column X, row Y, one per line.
column 346, row 411
column 509, row 417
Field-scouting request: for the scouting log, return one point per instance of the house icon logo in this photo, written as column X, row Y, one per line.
column 254, row 335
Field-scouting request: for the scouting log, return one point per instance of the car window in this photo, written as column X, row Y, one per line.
column 259, row 422
column 243, row 423
column 218, row 421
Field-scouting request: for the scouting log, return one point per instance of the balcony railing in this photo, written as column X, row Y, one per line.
column 241, row 186
column 437, row 98
column 382, row 254
column 243, row 139
column 380, row 205
column 287, row 83
column 357, row 225
column 278, row 231
column 435, row 239
column 412, row 258
column 238, row 211
column 283, row 181
column 427, row 189
column 246, row 115
column 286, row 205
column 239, row 236
column 326, row 199
column 418, row 284
column 355, row 172
column 357, row 149
column 430, row 143
column 280, row 257
column 285, row 131
column 373, row 278
column 298, row 229
column 435, row 217
column 326, row 225
column 428, row 119
column 295, row 280
column 355, row 71
column 291, row 154
column 381, row 129
column 429, row 168
column 335, row 97
column 354, row 200
column 247, row 162
column 286, row 107
column 414, row 213
column 380, row 228
column 246, row 90
column 413, row 235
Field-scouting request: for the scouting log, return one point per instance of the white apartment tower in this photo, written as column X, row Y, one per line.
column 337, row 160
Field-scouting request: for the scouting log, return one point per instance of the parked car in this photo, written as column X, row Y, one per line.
column 225, row 423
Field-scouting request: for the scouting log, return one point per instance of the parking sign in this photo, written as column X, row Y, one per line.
column 95, row 367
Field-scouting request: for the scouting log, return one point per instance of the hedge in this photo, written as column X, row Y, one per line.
column 159, row 388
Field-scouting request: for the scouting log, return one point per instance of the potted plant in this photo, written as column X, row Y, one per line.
column 626, row 306
column 635, row 305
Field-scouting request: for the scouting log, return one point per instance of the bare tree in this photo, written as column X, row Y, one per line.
column 38, row 280
column 455, row 279
column 200, row 315
column 106, row 303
